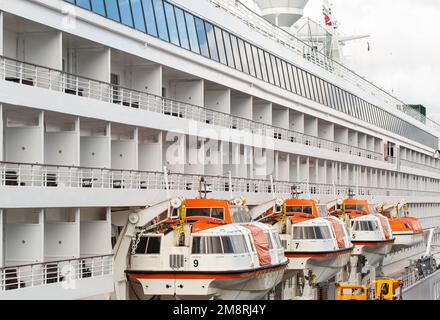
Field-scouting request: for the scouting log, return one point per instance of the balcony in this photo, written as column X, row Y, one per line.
column 24, row 175
column 33, row 75
column 55, row 280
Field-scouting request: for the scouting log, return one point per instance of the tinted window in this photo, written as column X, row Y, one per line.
column 181, row 27
column 138, row 15
column 220, row 46
column 236, row 52
column 212, row 43
column 149, row 17
column 142, row 245
column 112, row 9
column 160, row 20
column 198, row 212
column 192, row 33
column 203, row 42
column 214, row 245
column 171, row 22
column 228, row 49
column 242, row 51
column 263, row 65
column 153, row 245
column 250, row 59
column 256, row 62
column 83, row 4
column 125, row 11
column 98, row 7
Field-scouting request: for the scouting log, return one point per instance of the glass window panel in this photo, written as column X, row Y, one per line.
column 269, row 67
column 280, row 73
column 316, row 89
column 297, row 80
column 149, row 17
column 142, row 245
column 171, row 22
column 228, row 49
column 227, row 245
column 112, row 9
column 236, row 53
column 138, row 15
column 196, row 246
column 311, row 87
column 160, row 20
column 239, row 244
column 125, row 11
column 286, row 75
column 263, row 65
column 269, row 241
column 192, row 33
column 214, row 245
column 98, row 7
column 153, row 245
column 276, row 76
column 181, row 27
column 250, row 59
column 217, row 213
column 291, row 78
column 256, row 62
column 83, row 4
column 220, row 46
column 201, row 35
column 198, row 212
column 305, row 84
column 243, row 55
column 212, row 43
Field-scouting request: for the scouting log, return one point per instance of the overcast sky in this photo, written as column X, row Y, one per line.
column 405, row 45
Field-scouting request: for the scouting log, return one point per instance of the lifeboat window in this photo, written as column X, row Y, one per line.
column 252, row 243
column 240, row 215
column 311, row 233
column 365, row 226
column 355, row 207
column 219, row 245
column 269, row 240
column 300, row 209
column 407, row 226
column 276, row 236
column 205, row 212
column 214, row 245
column 149, row 245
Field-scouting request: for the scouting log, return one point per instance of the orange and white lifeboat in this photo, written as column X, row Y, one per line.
column 318, row 245
column 198, row 253
column 407, row 230
column 371, row 234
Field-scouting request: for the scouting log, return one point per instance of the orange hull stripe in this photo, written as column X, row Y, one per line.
column 198, row 276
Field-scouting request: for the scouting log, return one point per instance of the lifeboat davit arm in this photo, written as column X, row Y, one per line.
column 258, row 210
column 121, row 250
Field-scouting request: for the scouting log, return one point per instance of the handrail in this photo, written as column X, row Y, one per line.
column 225, row 119
column 285, row 38
column 55, row 261
column 40, row 175
column 64, row 271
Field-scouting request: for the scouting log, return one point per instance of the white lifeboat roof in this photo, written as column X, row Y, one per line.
column 313, row 222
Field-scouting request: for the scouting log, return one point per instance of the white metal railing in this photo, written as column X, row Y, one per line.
column 51, row 176
column 42, row 77
column 417, row 165
column 302, row 49
column 62, row 271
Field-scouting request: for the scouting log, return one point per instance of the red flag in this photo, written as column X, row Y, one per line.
column 328, row 22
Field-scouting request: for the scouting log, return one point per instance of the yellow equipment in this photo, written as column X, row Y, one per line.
column 357, row 292
column 384, row 289
column 388, row 289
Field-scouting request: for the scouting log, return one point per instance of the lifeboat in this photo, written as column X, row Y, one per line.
column 407, row 230
column 320, row 247
column 194, row 251
column 370, row 233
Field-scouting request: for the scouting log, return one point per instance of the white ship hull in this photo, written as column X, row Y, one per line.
column 374, row 252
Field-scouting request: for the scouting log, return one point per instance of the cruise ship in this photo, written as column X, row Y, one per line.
column 119, row 117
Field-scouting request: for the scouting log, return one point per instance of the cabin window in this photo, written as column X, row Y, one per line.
column 311, row 233
column 300, row 209
column 357, row 207
column 219, row 245
column 276, row 236
column 216, row 213
column 149, row 245
column 365, row 226
column 240, row 215
column 269, row 240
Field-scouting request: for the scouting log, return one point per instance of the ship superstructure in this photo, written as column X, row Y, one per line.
column 108, row 107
